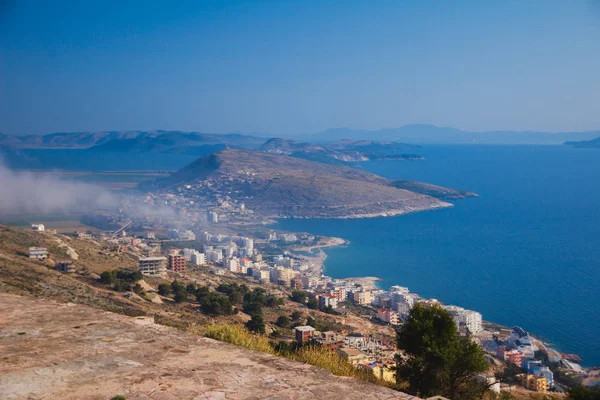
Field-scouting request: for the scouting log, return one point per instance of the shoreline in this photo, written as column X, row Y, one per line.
column 374, row 282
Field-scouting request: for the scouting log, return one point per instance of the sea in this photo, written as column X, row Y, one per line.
column 526, row 252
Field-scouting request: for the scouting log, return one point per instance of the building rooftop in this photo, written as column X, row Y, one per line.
column 153, row 259
column 305, row 328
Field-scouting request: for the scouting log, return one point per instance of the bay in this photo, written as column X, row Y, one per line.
column 526, row 252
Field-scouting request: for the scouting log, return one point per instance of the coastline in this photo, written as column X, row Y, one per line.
column 381, row 214
column 374, row 282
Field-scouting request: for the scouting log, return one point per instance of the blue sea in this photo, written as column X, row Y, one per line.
column 526, row 252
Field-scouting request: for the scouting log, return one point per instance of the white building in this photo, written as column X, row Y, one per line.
column 328, row 300
column 232, row 264
column 198, row 258
column 248, row 244
column 472, row 320
column 41, row 253
column 214, row 255
column 262, row 275
column 403, row 302
column 362, row 297
column 213, row 217
column 38, row 227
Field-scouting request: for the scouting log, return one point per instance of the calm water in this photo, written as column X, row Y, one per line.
column 527, row 252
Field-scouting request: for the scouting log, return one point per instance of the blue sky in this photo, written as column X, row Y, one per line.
column 292, row 67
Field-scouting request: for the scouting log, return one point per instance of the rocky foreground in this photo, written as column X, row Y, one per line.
column 55, row 350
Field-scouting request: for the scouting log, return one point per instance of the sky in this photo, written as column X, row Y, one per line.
column 295, row 67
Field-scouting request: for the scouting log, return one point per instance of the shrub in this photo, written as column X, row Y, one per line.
column 256, row 324
column 164, row 289
column 283, row 321
column 299, row 296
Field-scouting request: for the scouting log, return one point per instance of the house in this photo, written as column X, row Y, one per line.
column 65, row 266
column 353, row 356
column 304, row 333
column 41, row 253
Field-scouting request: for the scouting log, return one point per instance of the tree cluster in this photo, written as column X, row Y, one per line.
column 122, row 280
column 437, row 360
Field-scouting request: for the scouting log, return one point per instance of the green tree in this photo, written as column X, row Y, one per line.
column 437, row 360
column 256, row 324
column 215, row 304
column 108, row 277
column 201, row 292
column 180, row 296
column 299, row 296
column 312, row 303
column 191, row 288
column 252, row 308
column 177, row 286
column 584, row 393
column 137, row 288
column 283, row 321
column 274, row 301
column 164, row 289
column 296, row 315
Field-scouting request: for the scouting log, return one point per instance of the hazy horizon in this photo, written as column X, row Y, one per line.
column 292, row 68
column 293, row 136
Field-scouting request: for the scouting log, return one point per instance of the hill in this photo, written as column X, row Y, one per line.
column 433, row 134
column 158, row 140
column 587, row 144
column 68, row 351
column 59, row 341
column 284, row 186
column 340, row 152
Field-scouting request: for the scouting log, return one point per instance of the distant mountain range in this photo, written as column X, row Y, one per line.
column 160, row 140
column 129, row 141
column 422, row 134
column 587, row 144
column 339, row 152
column 166, row 150
column 277, row 185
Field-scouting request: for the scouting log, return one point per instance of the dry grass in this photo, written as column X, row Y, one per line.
column 240, row 336
column 313, row 355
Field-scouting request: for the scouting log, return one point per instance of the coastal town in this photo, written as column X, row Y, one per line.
column 203, row 233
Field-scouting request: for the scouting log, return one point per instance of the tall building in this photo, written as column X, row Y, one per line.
column 468, row 319
column 198, row 258
column 213, row 217
column 233, row 265
column 388, row 315
column 153, row 266
column 363, row 298
column 177, row 263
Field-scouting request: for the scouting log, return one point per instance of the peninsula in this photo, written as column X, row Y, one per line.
column 279, row 186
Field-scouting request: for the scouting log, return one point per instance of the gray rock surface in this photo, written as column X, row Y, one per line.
column 52, row 350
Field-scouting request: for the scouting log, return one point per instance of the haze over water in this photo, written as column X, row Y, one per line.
column 526, row 252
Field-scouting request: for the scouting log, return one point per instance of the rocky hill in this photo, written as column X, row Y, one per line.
column 340, row 152
column 284, row 186
column 68, row 351
column 59, row 341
